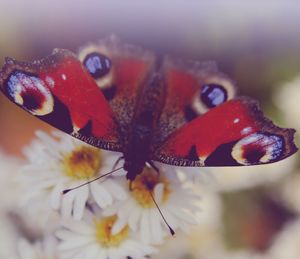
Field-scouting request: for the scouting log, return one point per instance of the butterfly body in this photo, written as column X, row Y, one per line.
column 138, row 144
column 121, row 98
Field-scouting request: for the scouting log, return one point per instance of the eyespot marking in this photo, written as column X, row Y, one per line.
column 209, row 96
column 246, row 130
column 97, row 64
column 50, row 81
column 213, row 95
column 258, row 148
column 30, row 92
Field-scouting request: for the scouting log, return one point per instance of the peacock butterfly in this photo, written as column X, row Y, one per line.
column 121, row 98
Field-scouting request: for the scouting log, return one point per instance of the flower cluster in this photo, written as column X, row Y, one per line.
column 258, row 207
column 105, row 218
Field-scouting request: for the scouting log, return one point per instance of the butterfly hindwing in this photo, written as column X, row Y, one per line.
column 58, row 90
column 192, row 88
column 234, row 133
column 112, row 95
column 120, row 70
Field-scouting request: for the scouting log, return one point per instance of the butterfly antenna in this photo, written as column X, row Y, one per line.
column 117, row 162
column 93, row 180
column 160, row 212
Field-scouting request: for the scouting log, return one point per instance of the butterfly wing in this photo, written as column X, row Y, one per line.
column 231, row 134
column 58, row 90
column 119, row 70
column 192, row 89
column 197, row 122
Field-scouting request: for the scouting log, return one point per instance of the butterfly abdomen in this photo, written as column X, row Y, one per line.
column 145, row 120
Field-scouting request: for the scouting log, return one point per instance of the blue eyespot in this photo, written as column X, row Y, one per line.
column 258, row 148
column 213, row 95
column 97, row 64
column 30, row 92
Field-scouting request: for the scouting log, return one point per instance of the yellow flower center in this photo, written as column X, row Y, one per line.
column 104, row 235
column 145, row 183
column 82, row 163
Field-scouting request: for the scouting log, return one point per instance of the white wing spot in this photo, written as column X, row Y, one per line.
column 246, row 130
column 50, row 81
column 63, row 76
column 236, row 120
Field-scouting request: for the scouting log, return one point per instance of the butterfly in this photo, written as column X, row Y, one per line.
column 119, row 97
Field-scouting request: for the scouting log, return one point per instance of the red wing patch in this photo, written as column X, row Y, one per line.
column 200, row 84
column 58, row 90
column 193, row 117
column 192, row 89
column 234, row 133
column 120, row 70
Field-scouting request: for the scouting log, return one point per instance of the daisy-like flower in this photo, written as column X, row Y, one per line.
column 9, row 167
column 62, row 162
column 9, row 199
column 204, row 238
column 93, row 238
column 45, row 249
column 177, row 202
column 8, row 236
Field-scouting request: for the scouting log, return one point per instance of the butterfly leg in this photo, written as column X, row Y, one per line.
column 117, row 162
column 154, row 167
column 130, row 186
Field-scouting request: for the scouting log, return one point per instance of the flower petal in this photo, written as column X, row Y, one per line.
column 56, row 197
column 79, row 202
column 101, row 195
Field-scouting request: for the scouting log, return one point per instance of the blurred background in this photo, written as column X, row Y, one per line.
column 247, row 213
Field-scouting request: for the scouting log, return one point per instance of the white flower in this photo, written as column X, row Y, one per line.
column 59, row 163
column 92, row 238
column 204, row 239
column 9, row 235
column 46, row 249
column 178, row 204
column 38, row 216
column 9, row 199
column 9, row 167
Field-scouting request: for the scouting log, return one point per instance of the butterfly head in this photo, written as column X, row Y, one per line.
column 133, row 169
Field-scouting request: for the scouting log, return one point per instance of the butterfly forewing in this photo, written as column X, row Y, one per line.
column 234, row 133
column 58, row 90
column 186, row 112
